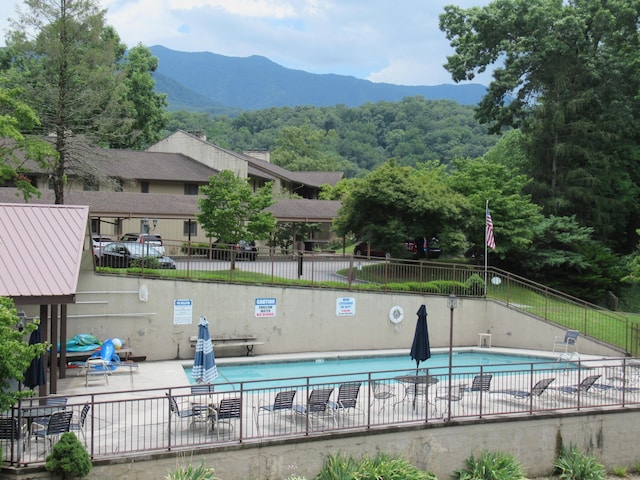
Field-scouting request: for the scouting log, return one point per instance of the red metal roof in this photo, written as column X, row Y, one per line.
column 40, row 251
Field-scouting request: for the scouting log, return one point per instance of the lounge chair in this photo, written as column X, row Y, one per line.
column 583, row 387
column 317, row 406
column 536, row 392
column 570, row 340
column 347, row 398
column 228, row 410
column 281, row 404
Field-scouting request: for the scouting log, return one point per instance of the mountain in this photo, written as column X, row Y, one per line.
column 205, row 81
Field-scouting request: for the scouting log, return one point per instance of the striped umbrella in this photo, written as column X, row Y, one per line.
column 204, row 363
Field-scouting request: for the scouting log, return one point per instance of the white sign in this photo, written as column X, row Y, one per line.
column 345, row 306
column 182, row 312
column 265, row 307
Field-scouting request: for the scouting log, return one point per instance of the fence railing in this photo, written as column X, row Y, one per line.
column 350, row 272
column 130, row 423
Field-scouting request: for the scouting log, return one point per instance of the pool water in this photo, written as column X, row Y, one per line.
column 266, row 375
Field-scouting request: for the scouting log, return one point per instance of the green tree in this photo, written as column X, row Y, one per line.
column 231, row 211
column 67, row 61
column 568, row 75
column 394, row 203
column 18, row 148
column 142, row 111
column 15, row 353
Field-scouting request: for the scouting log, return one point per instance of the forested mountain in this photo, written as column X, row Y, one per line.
column 204, row 81
column 357, row 140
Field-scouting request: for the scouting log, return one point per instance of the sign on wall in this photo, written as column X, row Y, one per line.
column 182, row 312
column 345, row 306
column 265, row 307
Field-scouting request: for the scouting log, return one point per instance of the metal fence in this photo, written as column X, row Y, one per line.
column 312, row 269
column 130, row 423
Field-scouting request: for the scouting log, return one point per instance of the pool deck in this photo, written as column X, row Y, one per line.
column 170, row 373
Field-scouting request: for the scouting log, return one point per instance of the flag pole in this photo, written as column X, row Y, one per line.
column 486, row 243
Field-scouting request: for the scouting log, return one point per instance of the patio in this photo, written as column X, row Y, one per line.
column 122, row 421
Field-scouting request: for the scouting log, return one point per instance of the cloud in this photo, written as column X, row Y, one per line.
column 394, row 42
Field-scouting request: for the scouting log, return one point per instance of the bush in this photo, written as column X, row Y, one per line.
column 145, row 262
column 382, row 467
column 188, row 472
column 572, row 464
column 69, row 457
column 490, row 466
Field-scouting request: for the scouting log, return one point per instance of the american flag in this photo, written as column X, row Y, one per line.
column 491, row 241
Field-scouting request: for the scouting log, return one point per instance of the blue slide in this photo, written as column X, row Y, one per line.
column 108, row 354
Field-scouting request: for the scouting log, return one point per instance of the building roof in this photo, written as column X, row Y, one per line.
column 171, row 206
column 40, row 251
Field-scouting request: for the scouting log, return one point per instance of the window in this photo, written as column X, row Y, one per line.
column 190, row 189
column 144, row 187
column 190, row 229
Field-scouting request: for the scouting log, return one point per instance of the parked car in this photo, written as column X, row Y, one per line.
column 121, row 254
column 153, row 239
column 362, row 250
column 99, row 241
column 244, row 251
column 421, row 248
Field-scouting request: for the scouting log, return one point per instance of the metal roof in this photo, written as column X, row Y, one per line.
column 40, row 252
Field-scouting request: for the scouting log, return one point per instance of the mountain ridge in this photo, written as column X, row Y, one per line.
column 205, row 81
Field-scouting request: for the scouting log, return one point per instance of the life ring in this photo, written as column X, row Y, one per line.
column 396, row 314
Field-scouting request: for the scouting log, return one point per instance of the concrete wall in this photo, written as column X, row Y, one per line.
column 141, row 312
column 534, row 442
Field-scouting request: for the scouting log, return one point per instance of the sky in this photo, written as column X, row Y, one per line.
column 388, row 41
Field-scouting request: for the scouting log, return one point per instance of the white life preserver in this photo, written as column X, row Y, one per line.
column 396, row 314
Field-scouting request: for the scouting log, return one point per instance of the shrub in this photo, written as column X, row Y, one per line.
column 382, row 467
column 189, row 472
column 490, row 466
column 575, row 465
column 620, row 472
column 69, row 457
column 145, row 262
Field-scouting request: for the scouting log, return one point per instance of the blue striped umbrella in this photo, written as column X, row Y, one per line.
column 204, row 364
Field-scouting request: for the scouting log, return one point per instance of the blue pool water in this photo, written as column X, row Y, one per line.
column 266, row 375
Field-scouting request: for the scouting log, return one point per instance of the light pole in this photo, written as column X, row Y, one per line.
column 452, row 303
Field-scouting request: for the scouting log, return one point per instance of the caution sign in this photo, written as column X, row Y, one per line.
column 265, row 307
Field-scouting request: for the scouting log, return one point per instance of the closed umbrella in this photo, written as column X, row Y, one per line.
column 35, row 374
column 204, row 364
column 421, row 350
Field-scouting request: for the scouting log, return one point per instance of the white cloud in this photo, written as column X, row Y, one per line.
column 394, row 42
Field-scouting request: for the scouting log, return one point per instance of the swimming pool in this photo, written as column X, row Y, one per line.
column 269, row 374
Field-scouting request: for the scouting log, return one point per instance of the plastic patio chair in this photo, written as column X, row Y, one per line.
column 570, row 339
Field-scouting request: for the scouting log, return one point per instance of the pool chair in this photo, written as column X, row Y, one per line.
column 381, row 392
column 194, row 415
column 79, row 426
column 563, row 344
column 59, row 423
column 317, row 407
column 229, row 409
column 10, row 434
column 480, row 386
column 536, row 392
column 281, row 404
column 347, row 399
column 585, row 386
column 442, row 395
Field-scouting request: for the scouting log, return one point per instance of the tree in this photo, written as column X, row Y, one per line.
column 393, row 204
column 16, row 148
column 142, row 111
column 567, row 74
column 15, row 354
column 70, row 65
column 231, row 211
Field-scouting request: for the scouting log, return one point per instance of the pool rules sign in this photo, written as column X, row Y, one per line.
column 345, row 306
column 265, row 307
